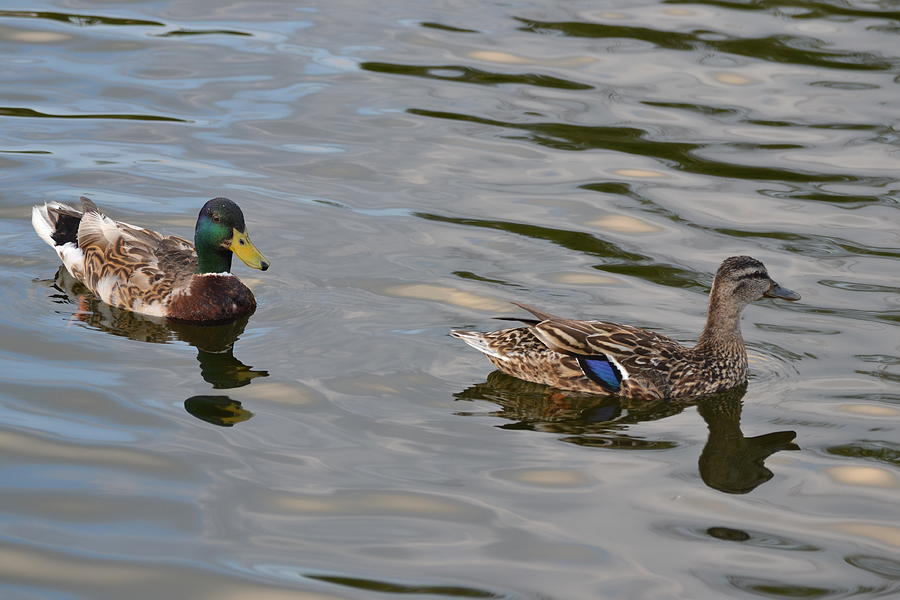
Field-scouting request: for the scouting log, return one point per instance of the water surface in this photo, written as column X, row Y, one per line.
column 410, row 168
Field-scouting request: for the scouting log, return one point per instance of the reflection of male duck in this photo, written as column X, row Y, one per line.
column 729, row 461
column 214, row 343
column 218, row 410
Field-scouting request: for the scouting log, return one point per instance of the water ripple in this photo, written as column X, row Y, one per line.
column 80, row 20
column 790, row 49
column 411, row 167
column 10, row 111
column 681, row 155
column 472, row 75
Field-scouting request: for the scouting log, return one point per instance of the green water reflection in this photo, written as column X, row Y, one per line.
column 790, row 49
column 472, row 75
column 389, row 587
column 684, row 156
column 13, row 111
column 80, row 20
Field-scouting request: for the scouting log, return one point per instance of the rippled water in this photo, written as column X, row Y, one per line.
column 409, row 168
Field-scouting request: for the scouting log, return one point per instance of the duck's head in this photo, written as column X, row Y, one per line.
column 220, row 232
column 743, row 279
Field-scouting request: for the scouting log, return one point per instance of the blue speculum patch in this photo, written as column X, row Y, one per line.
column 600, row 370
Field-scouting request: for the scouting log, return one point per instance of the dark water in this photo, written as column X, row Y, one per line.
column 409, row 168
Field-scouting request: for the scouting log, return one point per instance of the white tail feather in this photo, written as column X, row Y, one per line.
column 45, row 226
column 72, row 258
column 477, row 341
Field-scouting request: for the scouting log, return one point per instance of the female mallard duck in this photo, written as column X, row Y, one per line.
column 151, row 273
column 613, row 359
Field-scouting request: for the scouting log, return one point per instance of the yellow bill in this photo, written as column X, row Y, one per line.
column 247, row 252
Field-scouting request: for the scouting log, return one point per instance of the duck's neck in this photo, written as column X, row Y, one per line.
column 722, row 333
column 214, row 262
column 212, row 258
column 212, row 255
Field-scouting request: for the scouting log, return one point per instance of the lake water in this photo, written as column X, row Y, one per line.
column 411, row 167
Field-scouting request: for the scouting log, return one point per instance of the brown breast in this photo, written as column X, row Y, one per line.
column 212, row 298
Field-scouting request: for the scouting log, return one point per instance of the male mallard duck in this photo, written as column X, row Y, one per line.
column 151, row 273
column 613, row 359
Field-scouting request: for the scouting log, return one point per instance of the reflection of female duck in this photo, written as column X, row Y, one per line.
column 729, row 461
column 586, row 419
column 214, row 343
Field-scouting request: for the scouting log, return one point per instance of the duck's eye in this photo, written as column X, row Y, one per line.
column 241, row 242
column 215, row 218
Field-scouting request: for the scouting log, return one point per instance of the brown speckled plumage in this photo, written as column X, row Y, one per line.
column 547, row 351
column 141, row 270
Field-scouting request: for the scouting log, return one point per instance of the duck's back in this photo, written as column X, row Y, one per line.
column 125, row 266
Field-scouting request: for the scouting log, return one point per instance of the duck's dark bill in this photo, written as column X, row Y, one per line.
column 776, row 291
column 247, row 252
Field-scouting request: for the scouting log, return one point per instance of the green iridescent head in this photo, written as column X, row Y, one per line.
column 220, row 232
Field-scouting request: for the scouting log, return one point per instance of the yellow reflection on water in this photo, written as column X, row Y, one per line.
column 639, row 173
column 604, row 15
column 624, row 224
column 547, row 477
column 283, row 392
column 733, row 79
column 16, row 444
column 856, row 475
column 869, row 410
column 445, row 293
column 581, row 279
column 499, row 57
column 513, row 59
column 36, row 37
